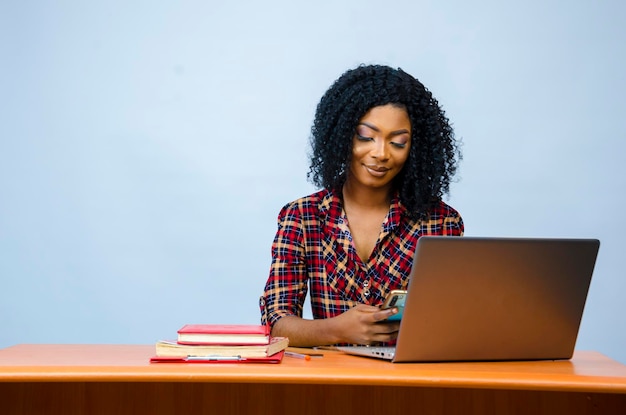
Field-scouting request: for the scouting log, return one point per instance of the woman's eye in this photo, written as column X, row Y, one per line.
column 399, row 145
column 363, row 138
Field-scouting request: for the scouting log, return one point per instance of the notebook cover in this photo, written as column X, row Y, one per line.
column 245, row 329
column 232, row 334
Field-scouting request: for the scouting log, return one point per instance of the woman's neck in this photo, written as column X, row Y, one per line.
column 366, row 197
column 365, row 208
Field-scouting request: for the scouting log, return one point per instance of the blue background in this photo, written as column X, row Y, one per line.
column 146, row 147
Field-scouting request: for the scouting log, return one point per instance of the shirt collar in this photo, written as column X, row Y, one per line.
column 396, row 212
column 331, row 210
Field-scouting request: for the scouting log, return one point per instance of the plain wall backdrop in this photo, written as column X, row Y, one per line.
column 146, row 147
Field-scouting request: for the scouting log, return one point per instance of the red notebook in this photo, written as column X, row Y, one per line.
column 275, row 358
column 225, row 334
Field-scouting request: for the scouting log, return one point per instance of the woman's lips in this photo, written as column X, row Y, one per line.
column 377, row 171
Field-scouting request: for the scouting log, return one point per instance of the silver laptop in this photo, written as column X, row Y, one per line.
column 489, row 299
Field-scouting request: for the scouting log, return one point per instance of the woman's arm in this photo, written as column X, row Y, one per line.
column 360, row 325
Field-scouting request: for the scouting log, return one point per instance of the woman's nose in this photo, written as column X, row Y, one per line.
column 381, row 150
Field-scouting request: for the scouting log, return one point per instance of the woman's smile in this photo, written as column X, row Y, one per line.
column 377, row 171
column 380, row 146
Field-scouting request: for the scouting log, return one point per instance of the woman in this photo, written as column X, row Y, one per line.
column 384, row 154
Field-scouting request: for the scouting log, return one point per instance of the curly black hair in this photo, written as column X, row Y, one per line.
column 434, row 152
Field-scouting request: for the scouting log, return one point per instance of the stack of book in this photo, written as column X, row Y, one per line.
column 221, row 343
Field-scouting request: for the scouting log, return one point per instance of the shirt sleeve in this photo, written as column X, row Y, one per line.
column 444, row 220
column 453, row 223
column 286, row 287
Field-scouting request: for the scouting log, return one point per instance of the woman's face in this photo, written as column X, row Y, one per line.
column 380, row 146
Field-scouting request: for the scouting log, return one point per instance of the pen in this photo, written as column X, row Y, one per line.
column 298, row 355
column 215, row 358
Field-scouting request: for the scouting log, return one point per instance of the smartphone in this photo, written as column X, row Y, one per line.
column 396, row 298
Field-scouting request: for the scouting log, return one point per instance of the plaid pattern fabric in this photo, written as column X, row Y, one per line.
column 313, row 250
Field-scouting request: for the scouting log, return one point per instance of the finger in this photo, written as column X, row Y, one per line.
column 385, row 338
column 385, row 328
column 385, row 314
column 367, row 308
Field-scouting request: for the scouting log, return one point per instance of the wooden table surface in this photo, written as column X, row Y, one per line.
column 586, row 371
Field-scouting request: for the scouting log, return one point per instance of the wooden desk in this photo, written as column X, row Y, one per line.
column 118, row 379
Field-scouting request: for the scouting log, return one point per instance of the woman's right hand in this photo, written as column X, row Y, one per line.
column 365, row 324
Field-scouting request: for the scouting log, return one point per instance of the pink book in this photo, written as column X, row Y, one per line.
column 226, row 334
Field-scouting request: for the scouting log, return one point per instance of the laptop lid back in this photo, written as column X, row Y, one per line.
column 476, row 298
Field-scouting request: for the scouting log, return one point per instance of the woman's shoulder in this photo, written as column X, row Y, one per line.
column 315, row 199
column 315, row 202
column 442, row 209
column 443, row 220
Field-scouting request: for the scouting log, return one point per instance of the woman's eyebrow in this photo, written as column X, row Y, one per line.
column 373, row 127
column 370, row 126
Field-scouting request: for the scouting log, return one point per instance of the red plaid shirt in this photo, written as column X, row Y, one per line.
column 313, row 250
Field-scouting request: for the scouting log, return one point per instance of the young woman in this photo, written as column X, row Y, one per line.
column 384, row 154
